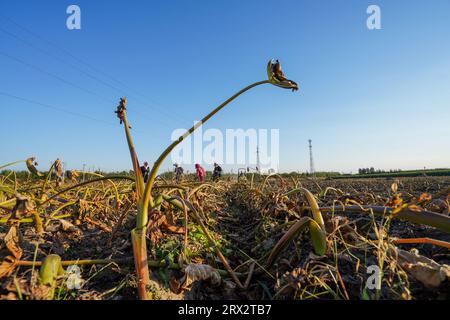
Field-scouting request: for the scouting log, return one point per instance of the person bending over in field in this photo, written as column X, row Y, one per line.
column 72, row 175
column 200, row 172
column 145, row 170
column 178, row 173
column 217, row 173
column 59, row 172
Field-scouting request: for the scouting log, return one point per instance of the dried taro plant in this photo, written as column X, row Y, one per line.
column 271, row 214
column 146, row 202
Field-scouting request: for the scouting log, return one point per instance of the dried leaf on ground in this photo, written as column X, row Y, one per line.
column 425, row 270
column 195, row 272
column 7, row 266
column 67, row 226
column 12, row 242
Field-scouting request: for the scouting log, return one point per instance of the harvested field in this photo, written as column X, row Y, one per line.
column 254, row 239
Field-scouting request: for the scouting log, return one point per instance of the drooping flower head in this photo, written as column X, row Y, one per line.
column 121, row 109
column 277, row 77
column 31, row 167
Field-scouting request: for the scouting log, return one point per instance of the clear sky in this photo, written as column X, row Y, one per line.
column 376, row 98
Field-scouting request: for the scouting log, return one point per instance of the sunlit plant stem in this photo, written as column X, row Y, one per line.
column 147, row 197
column 121, row 113
column 138, row 235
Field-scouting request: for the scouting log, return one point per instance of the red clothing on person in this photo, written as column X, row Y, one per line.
column 201, row 173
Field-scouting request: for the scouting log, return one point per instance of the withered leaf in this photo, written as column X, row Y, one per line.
column 12, row 242
column 7, row 266
column 423, row 269
column 197, row 272
column 67, row 226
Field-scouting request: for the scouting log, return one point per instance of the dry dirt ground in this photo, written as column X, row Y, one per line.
column 246, row 220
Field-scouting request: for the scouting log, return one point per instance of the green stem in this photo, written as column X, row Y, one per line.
column 142, row 218
column 134, row 158
column 11, row 163
column 44, row 184
column 85, row 183
column 151, row 264
column 429, row 218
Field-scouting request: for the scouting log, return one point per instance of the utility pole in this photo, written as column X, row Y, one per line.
column 311, row 161
column 84, row 171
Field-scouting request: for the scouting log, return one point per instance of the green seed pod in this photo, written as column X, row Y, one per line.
column 51, row 268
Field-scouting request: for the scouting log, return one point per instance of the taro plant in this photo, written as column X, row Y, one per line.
column 315, row 225
column 144, row 194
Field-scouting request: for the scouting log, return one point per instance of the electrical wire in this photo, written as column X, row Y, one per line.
column 66, row 52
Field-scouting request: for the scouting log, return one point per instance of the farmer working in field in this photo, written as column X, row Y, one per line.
column 217, row 173
column 145, row 169
column 72, row 175
column 178, row 173
column 59, row 172
column 200, row 173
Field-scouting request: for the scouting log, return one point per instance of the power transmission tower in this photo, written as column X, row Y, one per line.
column 311, row 161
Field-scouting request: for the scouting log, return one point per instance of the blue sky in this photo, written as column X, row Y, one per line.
column 368, row 98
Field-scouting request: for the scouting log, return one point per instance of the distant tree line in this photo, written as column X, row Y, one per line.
column 372, row 170
column 318, row 174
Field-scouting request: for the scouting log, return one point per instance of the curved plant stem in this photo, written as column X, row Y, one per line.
column 138, row 235
column 318, row 239
column 147, row 198
column 67, row 204
column 124, row 261
column 86, row 183
column 424, row 217
column 47, row 178
column 422, row 240
column 270, row 176
column 312, row 203
column 134, row 158
column 11, row 164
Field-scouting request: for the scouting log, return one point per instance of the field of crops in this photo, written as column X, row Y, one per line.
column 262, row 237
column 256, row 237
